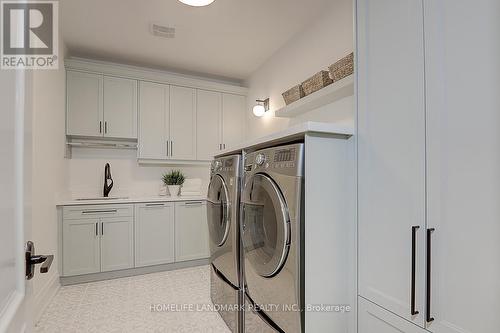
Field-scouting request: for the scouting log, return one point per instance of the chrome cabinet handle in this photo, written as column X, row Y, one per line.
column 102, row 229
column 96, row 229
column 100, row 126
column 193, row 203
column 413, row 267
column 171, row 148
column 155, row 205
column 99, row 211
column 167, row 147
column 105, row 127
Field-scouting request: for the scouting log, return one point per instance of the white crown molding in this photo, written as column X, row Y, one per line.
column 152, row 75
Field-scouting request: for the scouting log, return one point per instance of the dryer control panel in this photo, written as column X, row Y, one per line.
column 282, row 159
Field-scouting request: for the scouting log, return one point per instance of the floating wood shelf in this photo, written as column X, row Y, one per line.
column 332, row 93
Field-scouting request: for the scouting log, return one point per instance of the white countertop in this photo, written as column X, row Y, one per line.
column 289, row 134
column 73, row 202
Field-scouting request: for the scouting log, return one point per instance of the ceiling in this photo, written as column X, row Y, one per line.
column 228, row 39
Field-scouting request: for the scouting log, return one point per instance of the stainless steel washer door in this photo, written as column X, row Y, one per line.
column 265, row 225
column 218, row 210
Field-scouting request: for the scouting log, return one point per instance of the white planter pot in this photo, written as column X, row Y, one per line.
column 174, row 190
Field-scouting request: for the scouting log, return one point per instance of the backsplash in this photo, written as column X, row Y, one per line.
column 86, row 173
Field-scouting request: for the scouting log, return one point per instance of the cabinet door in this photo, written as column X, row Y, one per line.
column 463, row 164
column 81, row 248
column 153, row 120
column 182, row 123
column 84, row 109
column 120, row 108
column 374, row 319
column 233, row 119
column 154, row 234
column 117, row 243
column 191, row 231
column 391, row 153
column 208, row 115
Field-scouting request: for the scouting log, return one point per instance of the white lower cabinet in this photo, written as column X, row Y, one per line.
column 154, row 234
column 374, row 319
column 81, row 246
column 117, row 243
column 191, row 231
column 97, row 238
column 104, row 238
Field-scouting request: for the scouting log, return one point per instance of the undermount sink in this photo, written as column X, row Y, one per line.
column 100, row 198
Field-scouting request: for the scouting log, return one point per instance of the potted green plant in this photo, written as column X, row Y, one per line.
column 173, row 180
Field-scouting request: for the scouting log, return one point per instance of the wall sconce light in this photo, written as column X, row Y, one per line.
column 261, row 107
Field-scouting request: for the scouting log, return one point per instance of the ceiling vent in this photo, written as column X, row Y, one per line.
column 162, row 30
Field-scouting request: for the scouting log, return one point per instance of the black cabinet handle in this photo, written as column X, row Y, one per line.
column 413, row 267
column 96, row 229
column 100, row 126
column 102, row 229
column 428, row 316
column 105, row 127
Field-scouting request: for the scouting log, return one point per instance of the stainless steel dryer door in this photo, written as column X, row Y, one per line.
column 218, row 210
column 265, row 225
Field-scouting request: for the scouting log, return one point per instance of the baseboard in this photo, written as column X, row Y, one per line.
column 68, row 280
column 45, row 295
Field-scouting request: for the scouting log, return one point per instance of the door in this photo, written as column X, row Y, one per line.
column 463, row 164
column 154, row 234
column 117, row 243
column 15, row 200
column 84, row 108
column 265, row 225
column 218, row 211
column 374, row 319
column 208, row 124
column 191, row 231
column 391, row 155
column 153, row 120
column 81, row 247
column 182, row 123
column 233, row 119
column 120, row 108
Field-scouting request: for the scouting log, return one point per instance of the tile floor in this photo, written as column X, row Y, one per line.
column 124, row 305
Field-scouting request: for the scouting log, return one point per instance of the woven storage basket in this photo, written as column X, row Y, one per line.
column 316, row 82
column 293, row 94
column 342, row 68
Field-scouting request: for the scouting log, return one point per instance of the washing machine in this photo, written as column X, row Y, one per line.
column 225, row 243
column 271, row 225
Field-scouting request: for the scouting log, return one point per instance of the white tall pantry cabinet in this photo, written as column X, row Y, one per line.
column 428, row 166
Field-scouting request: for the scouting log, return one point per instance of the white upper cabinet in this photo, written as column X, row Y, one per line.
column 84, row 104
column 101, row 106
column 120, row 107
column 463, row 164
column 391, row 148
column 209, row 115
column 182, row 123
column 153, row 120
column 233, row 119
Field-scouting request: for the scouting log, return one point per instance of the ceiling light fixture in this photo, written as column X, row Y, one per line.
column 197, row 3
column 261, row 107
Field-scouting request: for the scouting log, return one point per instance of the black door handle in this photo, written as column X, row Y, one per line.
column 428, row 316
column 413, row 267
column 31, row 260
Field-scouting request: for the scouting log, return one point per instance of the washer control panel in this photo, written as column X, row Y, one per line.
column 277, row 158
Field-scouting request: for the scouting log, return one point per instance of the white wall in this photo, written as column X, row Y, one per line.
column 327, row 39
column 49, row 172
column 86, row 173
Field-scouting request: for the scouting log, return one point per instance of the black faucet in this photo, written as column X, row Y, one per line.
column 108, row 181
